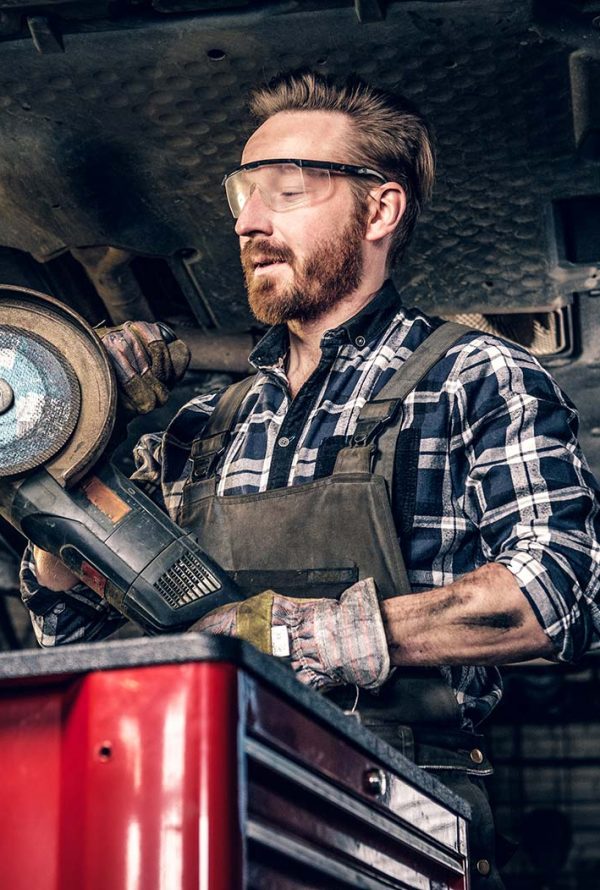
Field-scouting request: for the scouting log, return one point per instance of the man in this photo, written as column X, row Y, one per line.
column 423, row 512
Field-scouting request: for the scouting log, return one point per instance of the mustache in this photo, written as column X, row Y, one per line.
column 254, row 252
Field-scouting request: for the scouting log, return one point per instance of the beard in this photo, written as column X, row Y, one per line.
column 331, row 271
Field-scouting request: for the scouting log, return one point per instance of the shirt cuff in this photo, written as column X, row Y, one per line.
column 558, row 611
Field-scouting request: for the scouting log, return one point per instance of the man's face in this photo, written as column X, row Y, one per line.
column 300, row 263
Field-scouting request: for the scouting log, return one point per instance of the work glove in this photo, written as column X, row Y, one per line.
column 147, row 365
column 328, row 642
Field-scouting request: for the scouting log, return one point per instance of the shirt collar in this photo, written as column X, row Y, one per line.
column 363, row 328
column 373, row 318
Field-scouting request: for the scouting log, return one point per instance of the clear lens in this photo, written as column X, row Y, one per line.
column 281, row 186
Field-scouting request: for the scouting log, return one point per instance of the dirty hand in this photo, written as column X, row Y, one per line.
column 146, row 365
column 329, row 642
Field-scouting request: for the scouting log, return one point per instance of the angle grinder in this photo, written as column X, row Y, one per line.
column 58, row 401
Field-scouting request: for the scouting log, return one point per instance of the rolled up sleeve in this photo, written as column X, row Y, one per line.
column 533, row 496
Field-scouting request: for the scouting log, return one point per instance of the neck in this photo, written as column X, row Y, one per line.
column 305, row 336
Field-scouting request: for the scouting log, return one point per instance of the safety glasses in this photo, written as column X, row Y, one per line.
column 287, row 183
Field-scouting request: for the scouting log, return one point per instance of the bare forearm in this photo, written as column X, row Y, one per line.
column 483, row 618
column 51, row 572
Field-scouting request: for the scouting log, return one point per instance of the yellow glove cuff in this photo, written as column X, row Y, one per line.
column 253, row 621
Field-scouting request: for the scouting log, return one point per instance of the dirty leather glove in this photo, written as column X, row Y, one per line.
column 146, row 365
column 329, row 642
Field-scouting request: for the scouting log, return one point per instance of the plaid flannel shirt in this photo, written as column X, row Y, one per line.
column 498, row 473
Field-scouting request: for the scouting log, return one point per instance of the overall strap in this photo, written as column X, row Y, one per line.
column 207, row 450
column 377, row 421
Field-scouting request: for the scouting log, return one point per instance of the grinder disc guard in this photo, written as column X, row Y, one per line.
column 57, row 389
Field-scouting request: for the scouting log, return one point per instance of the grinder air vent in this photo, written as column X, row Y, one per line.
column 185, row 581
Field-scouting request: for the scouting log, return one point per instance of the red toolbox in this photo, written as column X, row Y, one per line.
column 195, row 763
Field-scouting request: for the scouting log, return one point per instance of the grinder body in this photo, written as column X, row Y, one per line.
column 123, row 547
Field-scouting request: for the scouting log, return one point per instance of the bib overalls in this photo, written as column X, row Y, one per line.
column 315, row 540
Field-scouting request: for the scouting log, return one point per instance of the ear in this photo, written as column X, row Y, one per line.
column 387, row 204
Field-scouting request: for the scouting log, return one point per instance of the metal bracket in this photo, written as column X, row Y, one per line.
column 368, row 11
column 46, row 38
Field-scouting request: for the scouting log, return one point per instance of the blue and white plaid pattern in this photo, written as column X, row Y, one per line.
column 500, row 475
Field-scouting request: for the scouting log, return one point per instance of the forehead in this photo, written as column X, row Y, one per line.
column 312, row 135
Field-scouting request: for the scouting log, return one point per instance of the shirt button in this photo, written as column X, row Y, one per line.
column 483, row 867
column 283, row 442
column 360, row 342
column 476, row 755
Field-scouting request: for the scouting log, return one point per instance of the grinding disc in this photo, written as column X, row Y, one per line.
column 57, row 388
column 40, row 401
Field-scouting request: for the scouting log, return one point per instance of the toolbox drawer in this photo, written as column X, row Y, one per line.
column 190, row 762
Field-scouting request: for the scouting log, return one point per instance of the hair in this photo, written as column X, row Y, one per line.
column 388, row 134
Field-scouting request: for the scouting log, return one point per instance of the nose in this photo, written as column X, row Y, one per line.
column 255, row 218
